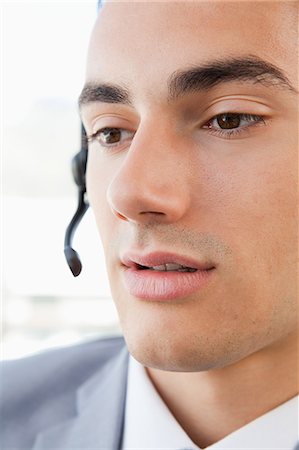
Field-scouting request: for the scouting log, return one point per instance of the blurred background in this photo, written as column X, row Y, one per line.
column 43, row 53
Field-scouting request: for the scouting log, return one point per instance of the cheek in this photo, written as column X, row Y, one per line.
column 98, row 177
column 250, row 202
column 251, row 198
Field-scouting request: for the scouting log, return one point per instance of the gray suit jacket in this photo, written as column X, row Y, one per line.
column 65, row 399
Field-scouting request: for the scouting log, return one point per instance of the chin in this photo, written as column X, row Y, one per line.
column 181, row 350
column 196, row 336
column 178, row 352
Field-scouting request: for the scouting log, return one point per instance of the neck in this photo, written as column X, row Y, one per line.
column 232, row 396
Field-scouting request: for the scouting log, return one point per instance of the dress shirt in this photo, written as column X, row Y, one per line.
column 150, row 425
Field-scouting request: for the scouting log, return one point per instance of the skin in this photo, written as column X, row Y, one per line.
column 177, row 187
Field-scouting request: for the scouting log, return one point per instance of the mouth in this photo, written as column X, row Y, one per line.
column 161, row 276
column 168, row 267
column 164, row 262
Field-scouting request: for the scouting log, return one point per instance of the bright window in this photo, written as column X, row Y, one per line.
column 44, row 46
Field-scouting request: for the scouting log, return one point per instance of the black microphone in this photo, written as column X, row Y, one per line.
column 79, row 162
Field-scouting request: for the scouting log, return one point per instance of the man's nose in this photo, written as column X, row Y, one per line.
column 152, row 182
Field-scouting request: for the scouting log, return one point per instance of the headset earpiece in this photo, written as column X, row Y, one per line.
column 78, row 170
column 79, row 163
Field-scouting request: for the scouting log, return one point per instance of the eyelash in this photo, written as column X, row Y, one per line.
column 251, row 119
column 97, row 136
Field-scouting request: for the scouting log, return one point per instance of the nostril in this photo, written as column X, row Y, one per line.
column 119, row 215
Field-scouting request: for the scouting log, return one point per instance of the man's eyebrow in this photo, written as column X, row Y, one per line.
column 103, row 92
column 199, row 78
column 210, row 74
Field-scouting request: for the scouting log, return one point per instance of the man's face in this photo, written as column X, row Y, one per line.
column 196, row 169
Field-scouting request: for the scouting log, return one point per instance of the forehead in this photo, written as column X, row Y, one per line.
column 141, row 43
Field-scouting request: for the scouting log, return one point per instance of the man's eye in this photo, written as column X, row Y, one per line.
column 111, row 137
column 228, row 124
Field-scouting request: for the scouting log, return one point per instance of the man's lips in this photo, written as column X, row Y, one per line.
column 164, row 276
column 138, row 261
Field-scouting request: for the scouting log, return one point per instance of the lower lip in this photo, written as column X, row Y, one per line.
column 155, row 285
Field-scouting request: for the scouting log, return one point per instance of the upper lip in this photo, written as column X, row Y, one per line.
column 133, row 260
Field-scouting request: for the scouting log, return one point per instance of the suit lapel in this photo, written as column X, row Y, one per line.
column 100, row 405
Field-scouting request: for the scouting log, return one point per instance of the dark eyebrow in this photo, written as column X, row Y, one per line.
column 106, row 93
column 209, row 75
column 203, row 77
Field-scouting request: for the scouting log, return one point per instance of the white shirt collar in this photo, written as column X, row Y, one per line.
column 150, row 425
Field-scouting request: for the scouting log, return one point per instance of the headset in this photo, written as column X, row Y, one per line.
column 79, row 163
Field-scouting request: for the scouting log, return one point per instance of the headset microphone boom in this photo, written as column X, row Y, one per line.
column 79, row 162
